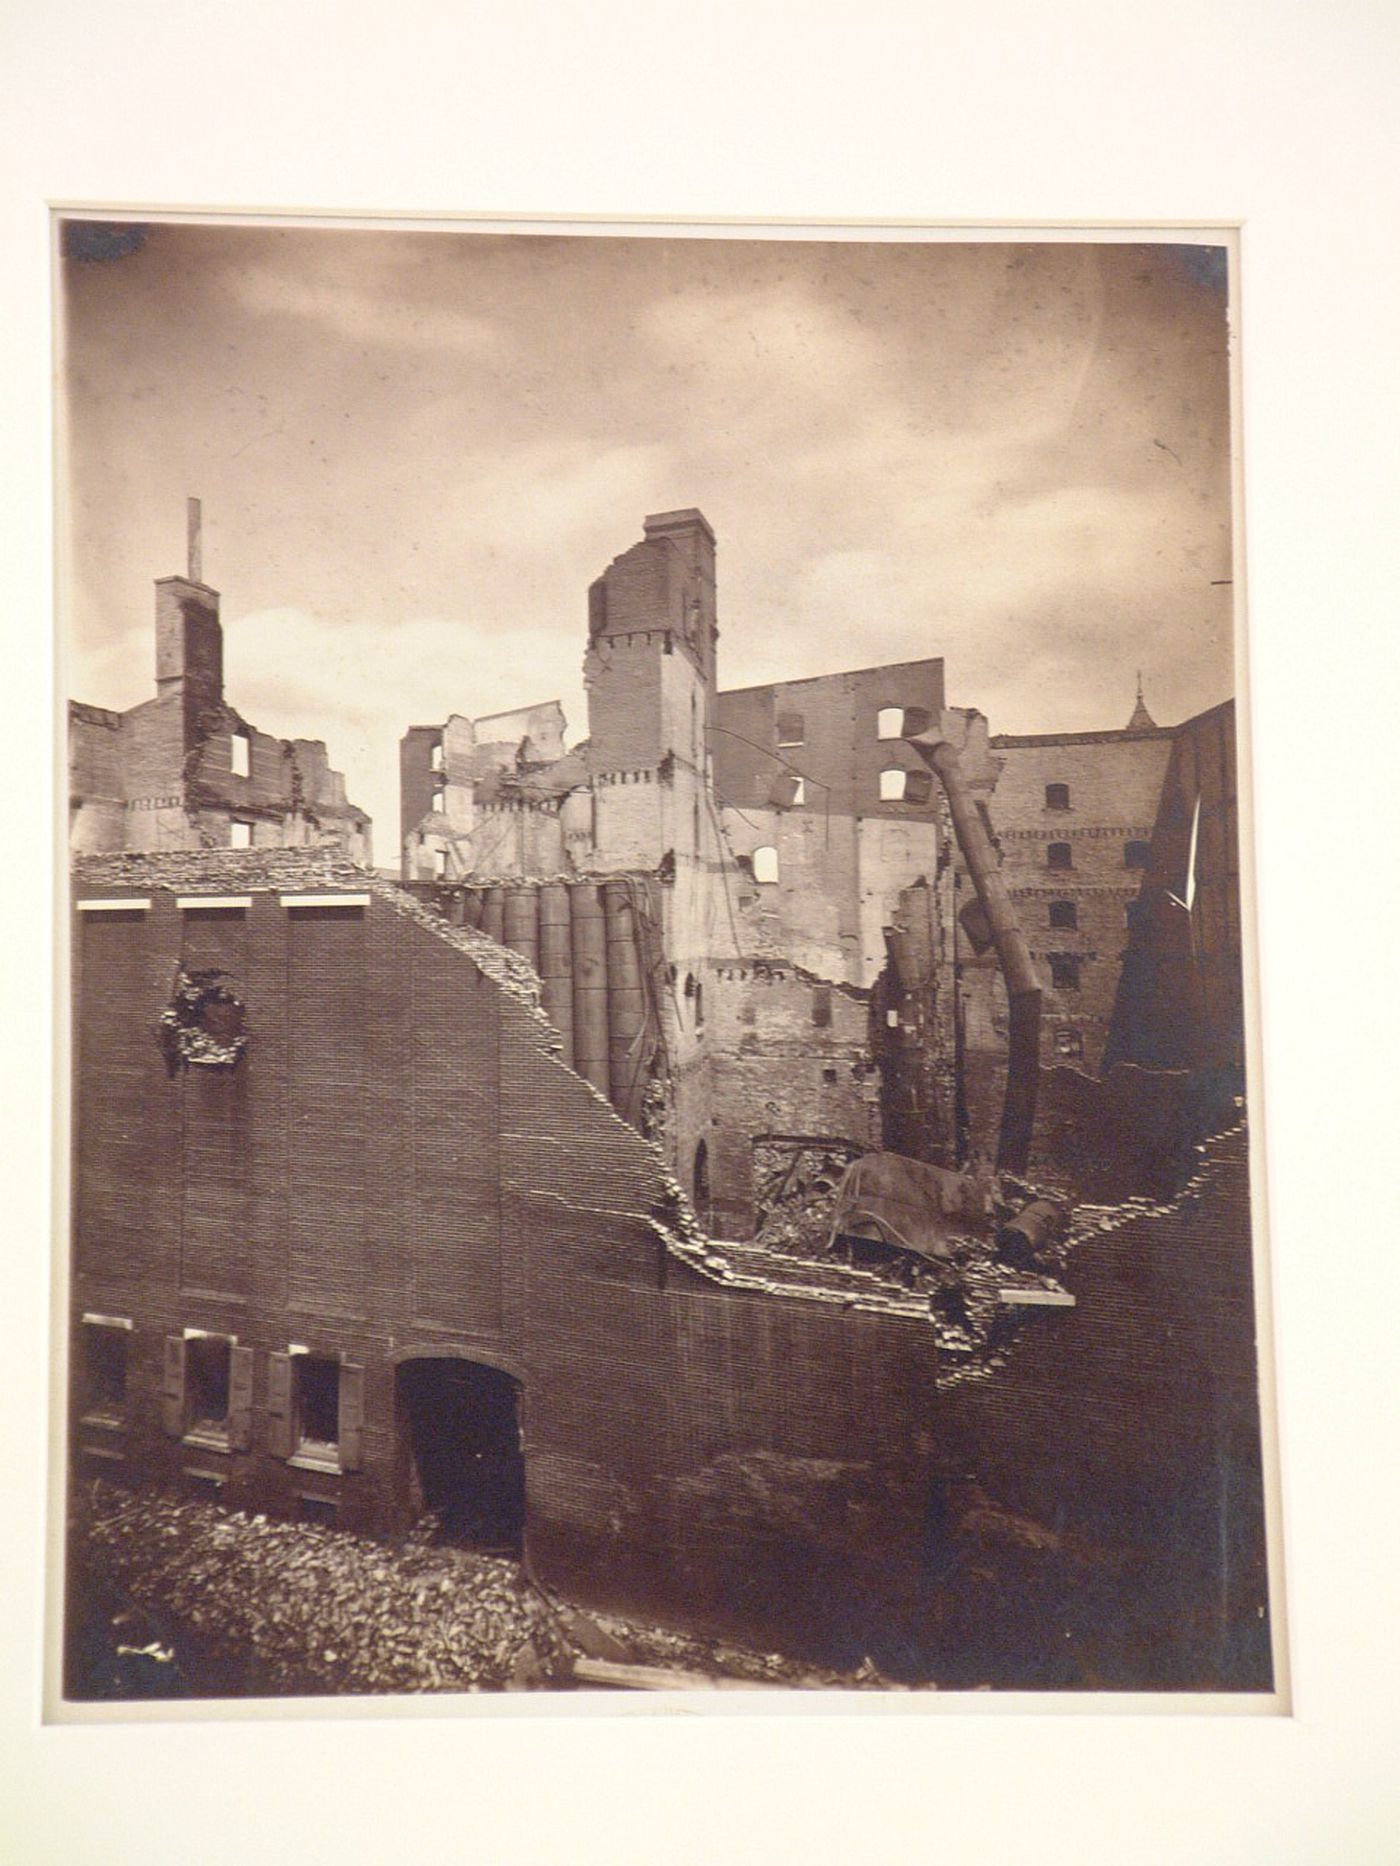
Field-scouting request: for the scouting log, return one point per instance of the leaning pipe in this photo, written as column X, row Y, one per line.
column 1013, row 955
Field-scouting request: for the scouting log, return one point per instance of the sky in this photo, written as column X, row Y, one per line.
column 415, row 450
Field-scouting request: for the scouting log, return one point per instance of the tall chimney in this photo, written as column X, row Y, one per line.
column 194, row 540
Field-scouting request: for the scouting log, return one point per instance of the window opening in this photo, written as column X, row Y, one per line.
column 1059, row 855
column 1064, row 972
column 104, row 1370
column 317, row 1403
column 1057, row 796
column 821, row 1006
column 439, row 802
column 1135, row 854
column 889, row 722
column 437, row 761
column 791, row 729
column 240, row 754
column 799, row 793
column 240, row 834
column 892, row 784
column 207, row 1383
column 1064, row 914
column 765, row 864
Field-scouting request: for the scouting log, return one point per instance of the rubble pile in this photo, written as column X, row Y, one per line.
column 300, row 1609
column 308, row 1609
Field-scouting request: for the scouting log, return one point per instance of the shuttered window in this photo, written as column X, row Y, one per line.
column 316, row 1410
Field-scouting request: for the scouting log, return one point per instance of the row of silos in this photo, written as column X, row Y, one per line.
column 586, row 941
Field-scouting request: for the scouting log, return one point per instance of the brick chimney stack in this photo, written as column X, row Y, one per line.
column 189, row 637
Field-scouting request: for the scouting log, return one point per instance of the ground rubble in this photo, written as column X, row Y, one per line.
column 276, row 1608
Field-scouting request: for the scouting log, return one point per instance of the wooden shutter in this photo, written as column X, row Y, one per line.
column 240, row 1399
column 352, row 1416
column 173, row 1387
column 279, row 1405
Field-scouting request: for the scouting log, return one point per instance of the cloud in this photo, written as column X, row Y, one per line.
column 346, row 310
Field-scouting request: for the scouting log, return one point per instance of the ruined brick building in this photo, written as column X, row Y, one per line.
column 800, row 972
column 374, row 1210
column 766, row 840
column 185, row 770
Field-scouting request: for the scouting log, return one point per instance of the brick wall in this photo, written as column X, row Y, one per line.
column 399, row 1165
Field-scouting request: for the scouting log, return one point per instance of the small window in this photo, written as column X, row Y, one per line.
column 240, row 834
column 765, row 864
column 1135, row 854
column 821, row 1006
column 1059, row 855
column 791, row 729
column 207, row 1363
column 898, row 785
column 104, row 1370
column 889, row 722
column 439, row 802
column 440, row 864
column 1057, row 796
column 317, row 1400
column 829, row 1076
column 240, row 754
column 1064, row 972
column 323, row 1510
column 1064, row 914
column 437, row 757
column 799, row 793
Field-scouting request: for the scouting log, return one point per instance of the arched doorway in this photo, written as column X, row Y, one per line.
column 701, row 1185
column 461, row 1420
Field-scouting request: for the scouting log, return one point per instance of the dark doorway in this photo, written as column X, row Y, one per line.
column 702, row 1186
column 463, row 1425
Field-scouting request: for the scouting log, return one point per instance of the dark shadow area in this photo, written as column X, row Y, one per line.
column 463, row 1427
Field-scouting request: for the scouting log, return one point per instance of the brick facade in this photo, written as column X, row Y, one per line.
column 397, row 1170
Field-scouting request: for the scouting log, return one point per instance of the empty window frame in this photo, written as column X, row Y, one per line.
column 791, row 729
column 440, row 864
column 889, row 722
column 104, row 1348
column 315, row 1410
column 1135, row 854
column 240, row 833
column 316, row 1380
column 208, row 1365
column 437, row 760
column 799, row 791
column 208, row 1390
column 1059, row 855
column 240, row 754
column 1064, row 971
column 1064, row 914
column 765, row 864
column 1057, row 796
column 439, row 802
column 899, row 785
column 821, row 1006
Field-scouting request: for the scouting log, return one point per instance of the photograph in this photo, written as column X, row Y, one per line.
column 661, row 1069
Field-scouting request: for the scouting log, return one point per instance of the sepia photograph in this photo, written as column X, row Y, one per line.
column 662, row 1052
